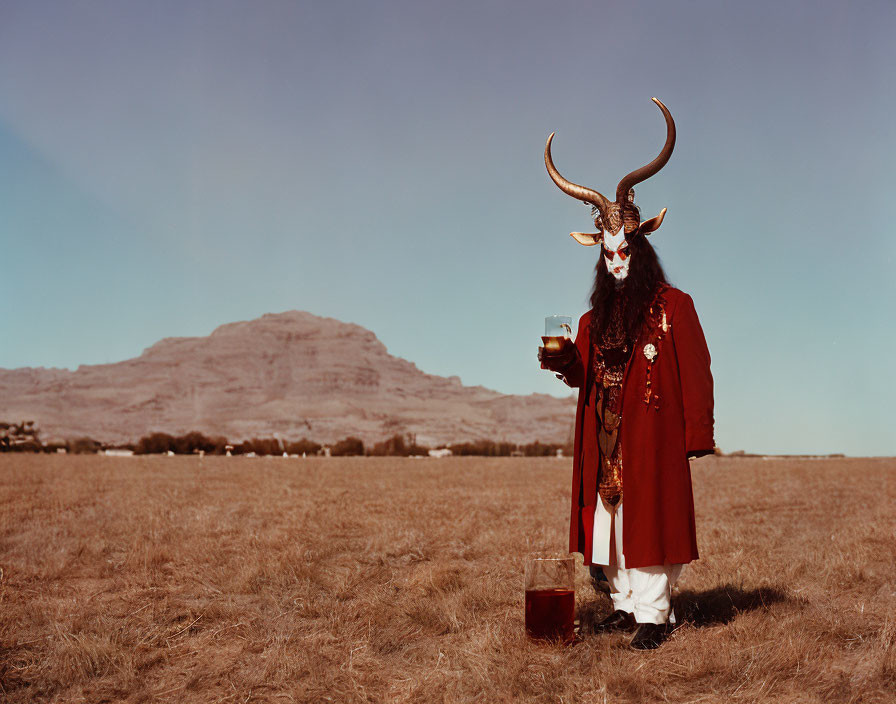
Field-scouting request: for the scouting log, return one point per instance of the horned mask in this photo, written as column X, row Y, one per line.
column 613, row 217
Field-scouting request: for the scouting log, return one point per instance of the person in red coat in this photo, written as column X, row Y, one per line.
column 645, row 407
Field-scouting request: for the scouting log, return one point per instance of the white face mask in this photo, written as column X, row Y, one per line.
column 616, row 254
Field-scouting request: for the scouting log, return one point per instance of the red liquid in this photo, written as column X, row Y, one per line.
column 550, row 614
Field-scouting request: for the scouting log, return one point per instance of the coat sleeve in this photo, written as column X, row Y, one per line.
column 696, row 379
column 574, row 373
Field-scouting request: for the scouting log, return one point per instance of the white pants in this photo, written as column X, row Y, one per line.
column 645, row 592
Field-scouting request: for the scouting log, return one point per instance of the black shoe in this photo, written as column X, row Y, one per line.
column 597, row 573
column 616, row 621
column 599, row 580
column 649, row 636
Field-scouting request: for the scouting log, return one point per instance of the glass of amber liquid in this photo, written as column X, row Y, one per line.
column 557, row 328
column 550, row 597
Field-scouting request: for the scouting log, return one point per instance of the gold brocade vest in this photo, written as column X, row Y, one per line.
column 611, row 354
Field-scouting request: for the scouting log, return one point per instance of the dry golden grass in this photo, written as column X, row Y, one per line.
column 384, row 580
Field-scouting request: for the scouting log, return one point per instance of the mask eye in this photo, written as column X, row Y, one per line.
column 622, row 253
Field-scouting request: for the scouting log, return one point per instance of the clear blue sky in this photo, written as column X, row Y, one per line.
column 167, row 167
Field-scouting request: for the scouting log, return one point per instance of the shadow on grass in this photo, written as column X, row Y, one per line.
column 704, row 608
column 722, row 604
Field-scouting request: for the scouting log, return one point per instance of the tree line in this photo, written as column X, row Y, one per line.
column 395, row 446
column 195, row 442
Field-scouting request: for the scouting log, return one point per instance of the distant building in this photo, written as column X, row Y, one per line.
column 442, row 452
column 115, row 452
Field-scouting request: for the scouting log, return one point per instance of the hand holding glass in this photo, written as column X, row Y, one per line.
column 557, row 334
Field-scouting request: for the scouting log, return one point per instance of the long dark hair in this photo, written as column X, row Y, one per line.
column 645, row 276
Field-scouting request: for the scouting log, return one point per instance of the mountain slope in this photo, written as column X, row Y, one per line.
column 291, row 375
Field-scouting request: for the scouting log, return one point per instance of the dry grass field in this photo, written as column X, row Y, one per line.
column 384, row 580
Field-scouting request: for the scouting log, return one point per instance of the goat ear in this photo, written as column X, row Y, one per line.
column 653, row 224
column 589, row 239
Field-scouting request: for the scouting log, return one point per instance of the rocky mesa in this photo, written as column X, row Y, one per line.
column 289, row 375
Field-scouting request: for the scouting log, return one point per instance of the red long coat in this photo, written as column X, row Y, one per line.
column 657, row 438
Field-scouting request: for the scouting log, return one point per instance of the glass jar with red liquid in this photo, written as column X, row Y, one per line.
column 550, row 597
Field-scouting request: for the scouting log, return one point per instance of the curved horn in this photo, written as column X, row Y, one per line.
column 646, row 172
column 570, row 188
